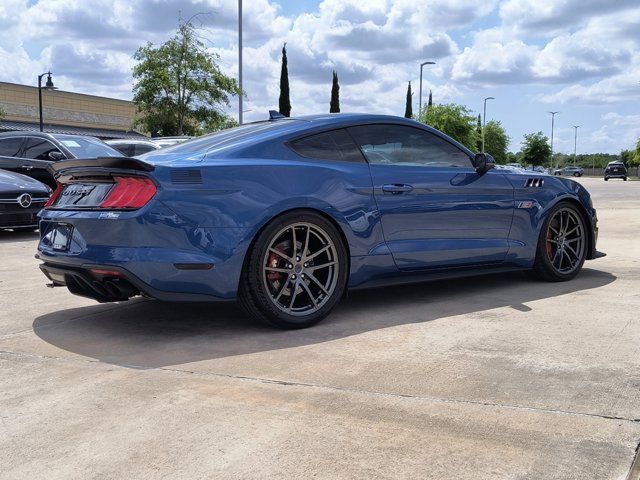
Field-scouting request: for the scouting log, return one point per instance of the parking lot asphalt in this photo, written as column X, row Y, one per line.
column 489, row 377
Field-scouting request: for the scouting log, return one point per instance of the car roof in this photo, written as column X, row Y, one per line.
column 26, row 133
column 235, row 139
column 112, row 141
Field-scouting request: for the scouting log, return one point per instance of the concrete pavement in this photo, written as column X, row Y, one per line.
column 489, row 377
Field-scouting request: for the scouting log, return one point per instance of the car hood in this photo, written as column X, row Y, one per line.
column 10, row 182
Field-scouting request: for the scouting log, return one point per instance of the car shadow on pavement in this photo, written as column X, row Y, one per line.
column 150, row 334
column 9, row 236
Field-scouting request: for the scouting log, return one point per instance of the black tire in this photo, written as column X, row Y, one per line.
column 606, row 179
column 544, row 267
column 255, row 295
column 576, row 175
column 624, row 178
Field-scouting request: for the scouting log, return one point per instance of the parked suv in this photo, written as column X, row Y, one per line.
column 615, row 170
column 31, row 153
column 569, row 171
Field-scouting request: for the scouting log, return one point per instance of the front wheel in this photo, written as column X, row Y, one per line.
column 606, row 179
column 624, row 178
column 562, row 244
column 296, row 272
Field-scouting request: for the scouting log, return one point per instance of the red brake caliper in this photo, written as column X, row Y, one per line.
column 550, row 251
column 274, row 260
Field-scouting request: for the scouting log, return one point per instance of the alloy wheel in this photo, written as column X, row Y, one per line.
column 300, row 268
column 566, row 241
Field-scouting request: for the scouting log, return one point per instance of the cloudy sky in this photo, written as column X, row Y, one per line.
column 580, row 57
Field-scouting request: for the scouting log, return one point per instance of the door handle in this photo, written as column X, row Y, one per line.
column 396, row 188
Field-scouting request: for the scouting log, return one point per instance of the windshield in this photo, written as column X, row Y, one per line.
column 86, row 147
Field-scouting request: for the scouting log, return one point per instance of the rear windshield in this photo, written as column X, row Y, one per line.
column 86, row 147
column 231, row 136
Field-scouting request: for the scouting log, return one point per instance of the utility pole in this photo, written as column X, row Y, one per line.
column 575, row 143
column 420, row 104
column 553, row 116
column 240, row 61
column 484, row 118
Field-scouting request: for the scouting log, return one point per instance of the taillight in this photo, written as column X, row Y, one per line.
column 129, row 192
column 54, row 195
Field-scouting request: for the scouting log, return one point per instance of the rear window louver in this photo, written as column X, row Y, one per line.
column 534, row 182
column 185, row 176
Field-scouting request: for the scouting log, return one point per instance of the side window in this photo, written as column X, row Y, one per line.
column 39, row 148
column 10, row 147
column 407, row 146
column 333, row 145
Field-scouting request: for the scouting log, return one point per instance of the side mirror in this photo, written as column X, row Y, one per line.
column 483, row 162
column 56, row 156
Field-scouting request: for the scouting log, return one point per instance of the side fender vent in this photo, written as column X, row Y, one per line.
column 534, row 182
column 186, row 176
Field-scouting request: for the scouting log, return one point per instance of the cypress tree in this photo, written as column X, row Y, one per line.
column 479, row 132
column 408, row 109
column 430, row 99
column 334, row 106
column 284, row 102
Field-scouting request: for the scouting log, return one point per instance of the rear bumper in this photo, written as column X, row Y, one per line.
column 108, row 283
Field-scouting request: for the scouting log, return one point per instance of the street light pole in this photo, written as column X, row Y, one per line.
column 553, row 116
column 575, row 143
column 420, row 104
column 240, row 61
column 484, row 118
column 48, row 86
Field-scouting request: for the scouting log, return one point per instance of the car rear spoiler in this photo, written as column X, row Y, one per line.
column 120, row 163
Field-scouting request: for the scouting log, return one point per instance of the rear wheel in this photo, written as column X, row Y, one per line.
column 295, row 273
column 606, row 179
column 624, row 178
column 562, row 245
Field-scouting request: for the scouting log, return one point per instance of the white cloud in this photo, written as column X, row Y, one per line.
column 571, row 52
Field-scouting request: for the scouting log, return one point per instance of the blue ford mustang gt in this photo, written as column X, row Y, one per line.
column 287, row 214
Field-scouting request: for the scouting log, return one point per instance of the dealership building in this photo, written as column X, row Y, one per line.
column 66, row 112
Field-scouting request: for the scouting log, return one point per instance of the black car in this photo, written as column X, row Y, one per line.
column 21, row 198
column 131, row 148
column 615, row 170
column 30, row 153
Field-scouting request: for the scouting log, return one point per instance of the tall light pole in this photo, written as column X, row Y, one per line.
column 553, row 116
column 240, row 61
column 420, row 104
column 484, row 118
column 575, row 142
column 48, row 86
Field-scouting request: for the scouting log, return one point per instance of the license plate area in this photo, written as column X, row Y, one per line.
column 61, row 237
column 83, row 195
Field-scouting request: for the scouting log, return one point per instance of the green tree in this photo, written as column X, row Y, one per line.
column 284, row 102
column 178, row 85
column 219, row 122
column 479, row 134
column 635, row 159
column 496, row 141
column 334, row 105
column 457, row 121
column 430, row 102
column 535, row 149
column 408, row 108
